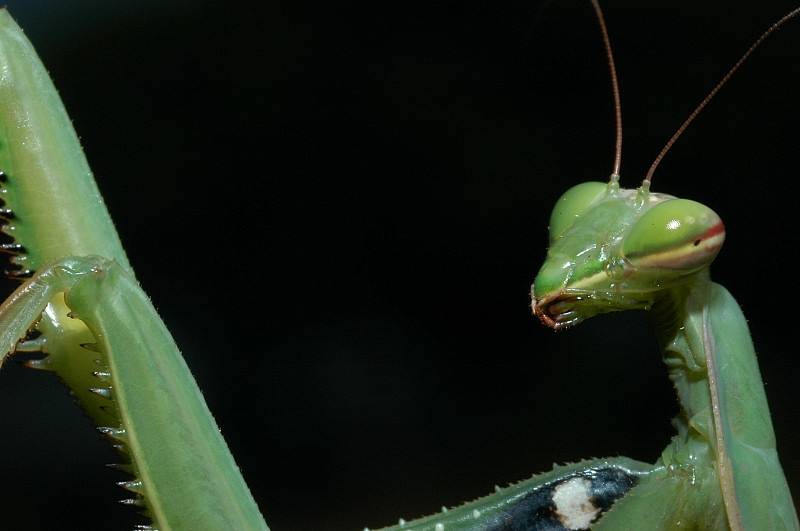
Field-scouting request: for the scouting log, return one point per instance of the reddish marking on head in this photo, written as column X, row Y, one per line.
column 540, row 306
column 715, row 230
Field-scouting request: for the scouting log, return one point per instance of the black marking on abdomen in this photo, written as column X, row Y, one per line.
column 537, row 511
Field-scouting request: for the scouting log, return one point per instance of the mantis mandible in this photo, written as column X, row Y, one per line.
column 730, row 41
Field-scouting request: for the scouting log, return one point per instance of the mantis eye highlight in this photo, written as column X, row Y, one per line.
column 677, row 234
column 572, row 204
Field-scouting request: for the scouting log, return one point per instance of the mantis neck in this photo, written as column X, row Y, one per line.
column 679, row 319
column 725, row 433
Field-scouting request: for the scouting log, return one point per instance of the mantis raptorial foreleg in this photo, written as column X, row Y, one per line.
column 98, row 329
column 171, row 466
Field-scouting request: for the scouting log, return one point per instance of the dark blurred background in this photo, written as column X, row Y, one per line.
column 339, row 208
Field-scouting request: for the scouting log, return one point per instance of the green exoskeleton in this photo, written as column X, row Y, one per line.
column 614, row 250
column 102, row 336
column 93, row 310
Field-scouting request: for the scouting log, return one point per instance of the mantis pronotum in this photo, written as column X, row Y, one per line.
column 458, row 266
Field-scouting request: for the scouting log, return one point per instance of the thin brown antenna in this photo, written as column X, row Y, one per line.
column 614, row 86
column 724, row 80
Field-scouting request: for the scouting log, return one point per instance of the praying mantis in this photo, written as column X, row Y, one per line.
column 354, row 495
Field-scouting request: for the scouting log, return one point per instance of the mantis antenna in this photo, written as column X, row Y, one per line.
column 682, row 128
column 714, row 91
column 614, row 87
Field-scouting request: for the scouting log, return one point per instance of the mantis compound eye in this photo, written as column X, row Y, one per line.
column 679, row 234
column 572, row 204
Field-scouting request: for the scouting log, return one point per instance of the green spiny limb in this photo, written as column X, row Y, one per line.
column 49, row 180
column 20, row 312
column 184, row 474
column 569, row 497
column 57, row 209
column 189, row 479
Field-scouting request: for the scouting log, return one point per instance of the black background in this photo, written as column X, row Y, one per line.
column 339, row 209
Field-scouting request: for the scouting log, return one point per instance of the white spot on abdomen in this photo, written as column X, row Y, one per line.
column 573, row 506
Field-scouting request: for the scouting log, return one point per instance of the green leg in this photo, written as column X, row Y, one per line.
column 184, row 475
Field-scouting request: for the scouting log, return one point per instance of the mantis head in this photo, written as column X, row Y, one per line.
column 614, row 249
